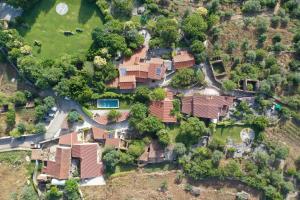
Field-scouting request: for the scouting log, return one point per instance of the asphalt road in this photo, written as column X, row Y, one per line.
column 64, row 106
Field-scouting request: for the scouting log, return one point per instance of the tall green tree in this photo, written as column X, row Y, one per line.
column 194, row 26
column 71, row 190
column 191, row 130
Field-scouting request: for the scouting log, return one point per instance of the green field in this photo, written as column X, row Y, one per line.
column 42, row 23
column 232, row 132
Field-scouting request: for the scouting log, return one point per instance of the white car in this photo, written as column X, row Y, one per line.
column 54, row 108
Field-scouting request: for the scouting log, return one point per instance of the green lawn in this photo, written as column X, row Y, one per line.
column 42, row 23
column 232, row 132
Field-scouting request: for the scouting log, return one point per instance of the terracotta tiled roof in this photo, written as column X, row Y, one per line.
column 157, row 69
column 69, row 139
column 127, row 82
column 114, row 83
column 127, row 78
column 89, row 166
column 60, row 168
column 141, row 67
column 210, row 107
column 183, row 60
column 207, row 111
column 116, row 143
column 162, row 109
column 137, row 70
column 99, row 134
column 140, row 54
column 103, row 119
column 187, row 103
column 113, row 142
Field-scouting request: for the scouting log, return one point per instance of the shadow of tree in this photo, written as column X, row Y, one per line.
column 31, row 15
column 86, row 11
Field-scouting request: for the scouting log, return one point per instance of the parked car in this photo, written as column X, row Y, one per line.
column 51, row 114
column 54, row 109
column 35, row 146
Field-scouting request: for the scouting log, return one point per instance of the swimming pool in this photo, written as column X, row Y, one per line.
column 108, row 103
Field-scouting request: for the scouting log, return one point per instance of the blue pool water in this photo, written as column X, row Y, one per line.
column 108, row 103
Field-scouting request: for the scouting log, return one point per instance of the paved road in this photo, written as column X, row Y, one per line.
column 209, row 76
column 64, row 106
column 22, row 142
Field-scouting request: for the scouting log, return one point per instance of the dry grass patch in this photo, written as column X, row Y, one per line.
column 144, row 186
column 235, row 31
column 12, row 180
column 287, row 136
column 13, row 172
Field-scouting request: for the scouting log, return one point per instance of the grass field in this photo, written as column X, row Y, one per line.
column 232, row 132
column 45, row 25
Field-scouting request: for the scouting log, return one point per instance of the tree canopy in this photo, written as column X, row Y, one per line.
column 191, row 130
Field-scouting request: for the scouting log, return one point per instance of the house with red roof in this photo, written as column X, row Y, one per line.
column 116, row 143
column 69, row 139
column 99, row 134
column 87, row 153
column 126, row 82
column 208, row 107
column 137, row 69
column 60, row 167
column 163, row 109
column 183, row 59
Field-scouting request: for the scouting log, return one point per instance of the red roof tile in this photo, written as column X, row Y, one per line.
column 127, row 79
column 140, row 54
column 89, row 166
column 116, row 143
column 60, row 168
column 135, row 70
column 69, row 139
column 99, row 134
column 113, row 142
column 162, row 109
column 127, row 82
column 157, row 69
column 210, row 107
column 183, row 60
column 114, row 83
